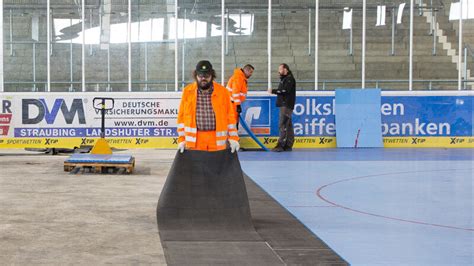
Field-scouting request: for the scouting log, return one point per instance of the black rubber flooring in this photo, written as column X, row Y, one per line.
column 280, row 239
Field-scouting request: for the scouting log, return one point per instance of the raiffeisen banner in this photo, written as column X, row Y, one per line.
column 429, row 119
column 148, row 120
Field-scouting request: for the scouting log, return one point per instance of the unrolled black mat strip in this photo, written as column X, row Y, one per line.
column 204, row 217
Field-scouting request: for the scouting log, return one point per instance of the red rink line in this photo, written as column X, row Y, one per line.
column 318, row 193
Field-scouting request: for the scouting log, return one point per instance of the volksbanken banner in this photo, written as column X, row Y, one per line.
column 148, row 120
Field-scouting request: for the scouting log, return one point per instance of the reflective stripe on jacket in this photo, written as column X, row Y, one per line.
column 224, row 113
column 237, row 86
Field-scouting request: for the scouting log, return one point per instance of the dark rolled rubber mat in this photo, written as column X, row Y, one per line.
column 220, row 253
column 204, row 198
column 204, row 218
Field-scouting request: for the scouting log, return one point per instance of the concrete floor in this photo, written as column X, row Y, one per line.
column 48, row 216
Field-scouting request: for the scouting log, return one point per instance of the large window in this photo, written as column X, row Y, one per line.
column 24, row 61
column 66, row 48
column 149, row 45
column 152, row 66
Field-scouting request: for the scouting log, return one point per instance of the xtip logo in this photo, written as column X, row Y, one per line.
column 140, row 141
column 37, row 110
column 454, row 141
column 51, row 141
column 325, row 141
column 257, row 116
column 86, row 141
column 416, row 141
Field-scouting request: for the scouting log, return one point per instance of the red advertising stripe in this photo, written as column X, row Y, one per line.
column 260, row 130
column 5, row 118
column 4, row 130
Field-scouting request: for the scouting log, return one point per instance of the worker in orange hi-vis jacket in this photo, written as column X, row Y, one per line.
column 237, row 87
column 206, row 117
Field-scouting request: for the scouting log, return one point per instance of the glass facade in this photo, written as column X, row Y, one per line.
column 120, row 45
column 66, row 47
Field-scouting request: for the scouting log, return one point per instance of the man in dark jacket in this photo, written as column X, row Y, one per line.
column 286, row 96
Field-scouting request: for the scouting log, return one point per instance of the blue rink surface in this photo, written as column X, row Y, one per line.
column 99, row 158
column 377, row 206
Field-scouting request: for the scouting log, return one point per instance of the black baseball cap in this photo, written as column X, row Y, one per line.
column 203, row 67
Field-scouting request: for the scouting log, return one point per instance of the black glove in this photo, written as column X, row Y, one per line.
column 239, row 109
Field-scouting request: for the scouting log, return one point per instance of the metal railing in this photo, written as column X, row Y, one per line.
column 255, row 85
column 387, row 84
column 91, row 86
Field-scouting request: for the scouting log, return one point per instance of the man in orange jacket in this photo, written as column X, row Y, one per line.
column 206, row 118
column 237, row 87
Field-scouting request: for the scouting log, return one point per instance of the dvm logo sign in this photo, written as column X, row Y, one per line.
column 256, row 115
column 36, row 110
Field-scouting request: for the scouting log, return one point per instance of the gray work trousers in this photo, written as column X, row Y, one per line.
column 285, row 126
